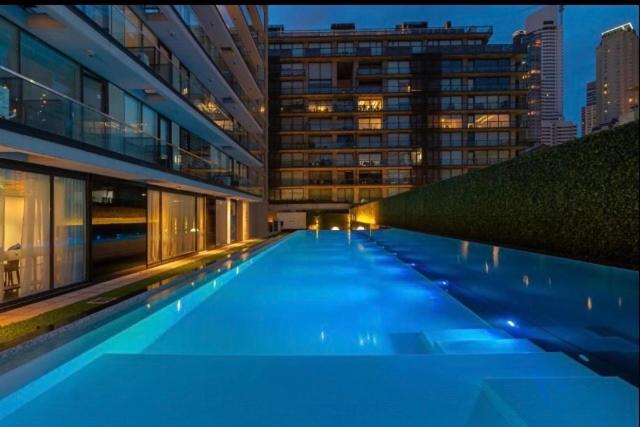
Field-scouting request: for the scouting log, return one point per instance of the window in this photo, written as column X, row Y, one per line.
column 47, row 67
column 395, row 85
column 396, row 103
column 450, row 84
column 502, row 64
column 451, row 102
column 291, row 86
column 320, row 194
column 178, row 224
column 320, row 141
column 445, row 121
column 292, row 141
column 398, row 67
column 369, row 194
column 398, row 139
column 319, row 107
column 343, row 123
column 289, row 194
column 366, row 141
column 488, row 121
column 481, row 139
column 320, row 178
column 398, row 176
column 8, row 45
column 323, row 159
column 345, row 48
column 290, row 178
column 292, row 69
column 25, row 202
column 369, row 159
column 69, row 231
column 370, row 104
column 413, row 46
column 449, row 173
column 344, row 195
column 370, row 123
column 344, row 159
column 451, row 157
column 397, row 122
column 399, row 158
column 344, row 141
column 488, row 102
column 292, row 105
column 292, row 123
column 451, row 65
column 320, row 75
column 370, row 48
column 489, row 83
column 319, row 124
column 291, row 159
column 453, row 139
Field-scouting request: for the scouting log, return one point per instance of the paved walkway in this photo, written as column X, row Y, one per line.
column 37, row 308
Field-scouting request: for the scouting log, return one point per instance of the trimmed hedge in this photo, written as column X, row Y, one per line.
column 577, row 200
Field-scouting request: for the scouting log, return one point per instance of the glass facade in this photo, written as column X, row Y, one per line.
column 25, row 201
column 70, row 231
column 119, row 226
column 178, row 224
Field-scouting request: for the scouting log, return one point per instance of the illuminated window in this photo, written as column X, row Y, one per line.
column 370, row 104
column 370, row 123
column 319, row 107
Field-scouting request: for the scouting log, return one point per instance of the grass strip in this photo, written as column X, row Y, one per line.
column 15, row 333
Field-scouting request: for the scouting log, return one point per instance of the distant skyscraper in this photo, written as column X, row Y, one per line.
column 616, row 74
column 544, row 34
column 588, row 112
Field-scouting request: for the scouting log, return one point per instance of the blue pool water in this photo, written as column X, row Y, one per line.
column 332, row 329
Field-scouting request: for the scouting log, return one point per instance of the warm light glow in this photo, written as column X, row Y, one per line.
column 334, row 228
column 360, row 228
column 589, row 304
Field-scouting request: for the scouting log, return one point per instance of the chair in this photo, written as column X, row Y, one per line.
column 11, row 268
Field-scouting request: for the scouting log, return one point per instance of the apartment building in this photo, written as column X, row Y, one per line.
column 361, row 114
column 588, row 112
column 129, row 136
column 616, row 75
column 543, row 36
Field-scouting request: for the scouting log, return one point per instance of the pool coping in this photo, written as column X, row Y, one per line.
column 34, row 347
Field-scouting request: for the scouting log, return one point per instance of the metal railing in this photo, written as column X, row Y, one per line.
column 393, row 50
column 484, row 29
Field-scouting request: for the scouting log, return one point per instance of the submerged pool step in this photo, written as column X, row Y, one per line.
column 551, row 402
column 476, row 341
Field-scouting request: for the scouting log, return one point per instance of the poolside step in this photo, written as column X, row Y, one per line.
column 550, row 402
column 441, row 335
column 504, row 345
column 476, row 341
column 283, row 391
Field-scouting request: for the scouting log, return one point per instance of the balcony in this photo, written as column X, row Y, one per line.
column 394, row 51
column 477, row 106
column 120, row 31
column 35, row 106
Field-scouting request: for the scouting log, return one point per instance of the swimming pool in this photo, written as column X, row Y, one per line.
column 322, row 329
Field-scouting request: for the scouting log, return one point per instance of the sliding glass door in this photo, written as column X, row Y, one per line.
column 69, row 244
column 24, row 233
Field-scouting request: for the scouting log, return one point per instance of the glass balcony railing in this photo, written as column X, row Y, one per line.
column 36, row 106
column 113, row 20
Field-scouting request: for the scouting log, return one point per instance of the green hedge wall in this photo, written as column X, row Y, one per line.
column 577, row 200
